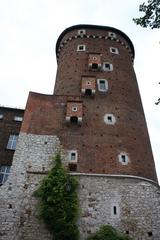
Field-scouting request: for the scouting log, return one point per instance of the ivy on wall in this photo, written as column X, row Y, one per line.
column 58, row 202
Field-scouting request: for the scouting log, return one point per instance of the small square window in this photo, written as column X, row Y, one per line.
column 114, row 50
column 107, row 67
column 81, row 48
column 111, row 34
column 123, row 158
column 109, row 118
column 18, row 119
column 1, row 116
column 73, row 156
column 81, row 31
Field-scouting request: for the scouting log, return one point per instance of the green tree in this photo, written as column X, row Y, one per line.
column 58, row 202
column 107, row 232
column 151, row 16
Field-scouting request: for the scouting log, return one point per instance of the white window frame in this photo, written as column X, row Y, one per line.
column 99, row 85
column 70, row 156
column 114, row 50
column 18, row 118
column 108, row 69
column 112, row 34
column 81, row 31
column 4, row 173
column 12, row 141
column 83, row 46
column 1, row 116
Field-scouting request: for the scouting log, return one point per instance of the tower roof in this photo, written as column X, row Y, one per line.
column 86, row 26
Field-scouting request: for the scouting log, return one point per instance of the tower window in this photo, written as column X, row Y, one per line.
column 81, row 48
column 74, row 109
column 111, row 34
column 114, row 210
column 1, row 116
column 109, row 119
column 88, row 86
column 114, row 50
column 94, row 63
column 74, row 120
column 107, row 67
column 12, row 142
column 73, row 156
column 81, row 31
column 123, row 158
column 102, row 85
column 94, row 66
column 4, row 173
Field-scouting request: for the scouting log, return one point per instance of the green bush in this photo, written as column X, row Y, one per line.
column 58, row 202
column 107, row 232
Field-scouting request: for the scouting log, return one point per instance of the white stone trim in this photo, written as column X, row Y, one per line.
column 116, row 176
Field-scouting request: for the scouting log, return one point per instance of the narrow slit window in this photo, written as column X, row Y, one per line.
column 114, row 210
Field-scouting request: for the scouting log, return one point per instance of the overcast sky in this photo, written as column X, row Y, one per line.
column 28, row 33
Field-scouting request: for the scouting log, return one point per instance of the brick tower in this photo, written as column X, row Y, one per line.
column 95, row 117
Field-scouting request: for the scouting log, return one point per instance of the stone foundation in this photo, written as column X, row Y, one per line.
column 131, row 204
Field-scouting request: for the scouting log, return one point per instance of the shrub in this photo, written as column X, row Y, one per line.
column 58, row 202
column 107, row 232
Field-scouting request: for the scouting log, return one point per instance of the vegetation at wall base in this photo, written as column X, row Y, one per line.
column 58, row 202
column 107, row 232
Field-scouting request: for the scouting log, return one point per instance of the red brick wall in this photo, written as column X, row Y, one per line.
column 98, row 144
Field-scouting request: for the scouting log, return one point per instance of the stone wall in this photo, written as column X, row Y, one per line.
column 32, row 159
column 131, row 204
